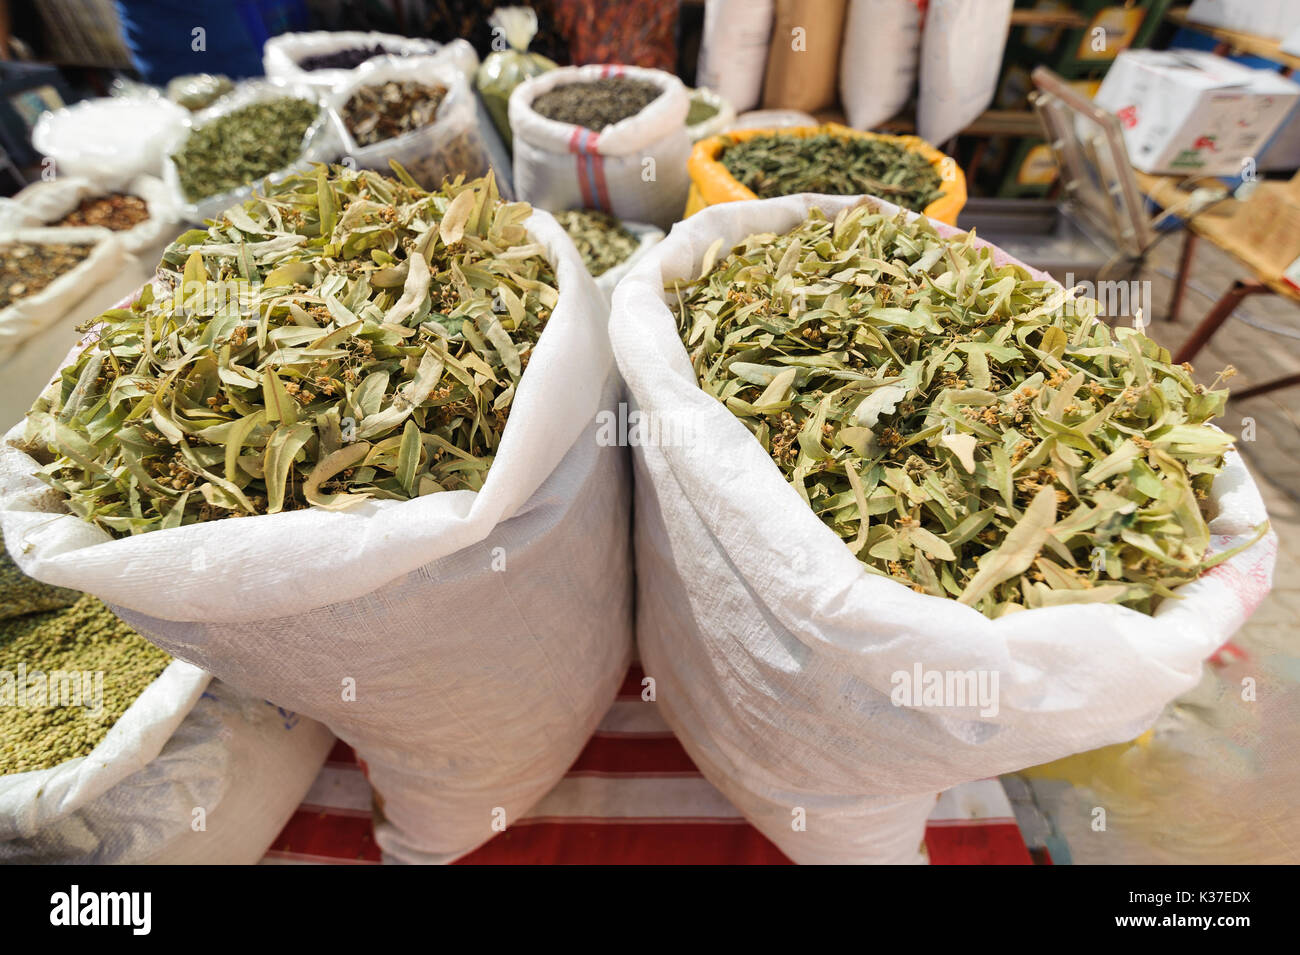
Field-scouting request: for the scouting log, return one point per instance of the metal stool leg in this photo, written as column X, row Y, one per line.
column 1223, row 308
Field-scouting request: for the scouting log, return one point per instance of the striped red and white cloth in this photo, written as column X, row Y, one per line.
column 632, row 797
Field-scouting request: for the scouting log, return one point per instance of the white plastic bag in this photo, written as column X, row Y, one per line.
column 52, row 305
column 634, row 169
column 109, row 140
column 245, row 764
column 881, row 48
column 318, row 145
column 465, row 644
column 282, row 54
column 715, row 124
column 448, row 146
column 44, row 203
column 961, row 54
column 733, row 49
column 774, row 652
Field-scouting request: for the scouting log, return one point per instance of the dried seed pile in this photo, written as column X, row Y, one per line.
column 346, row 59
column 600, row 238
column 783, row 165
column 78, row 642
column 243, row 146
column 117, row 211
column 969, row 431
column 374, row 353
column 20, row 594
column 27, row 268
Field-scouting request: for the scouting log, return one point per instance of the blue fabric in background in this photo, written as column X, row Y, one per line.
column 159, row 34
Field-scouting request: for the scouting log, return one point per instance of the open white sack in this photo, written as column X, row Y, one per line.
column 773, row 649
column 483, row 635
column 44, row 203
column 634, row 169
column 282, row 54
column 137, row 797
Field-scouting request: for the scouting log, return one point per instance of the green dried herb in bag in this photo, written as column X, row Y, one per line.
column 969, row 431
column 346, row 336
column 599, row 237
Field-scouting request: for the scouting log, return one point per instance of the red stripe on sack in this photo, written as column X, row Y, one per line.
column 328, row 835
column 624, row 755
column 342, row 753
column 621, row 843
column 997, row 844
column 631, row 688
column 575, row 146
column 598, row 162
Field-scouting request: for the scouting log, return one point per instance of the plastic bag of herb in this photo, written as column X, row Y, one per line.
column 143, row 213
column 265, row 129
column 45, row 273
column 503, row 70
column 807, row 520
column 634, row 168
column 405, row 406
column 284, row 56
column 421, row 115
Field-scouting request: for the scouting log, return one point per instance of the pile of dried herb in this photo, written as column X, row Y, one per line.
column 117, row 211
column 243, row 146
column 596, row 104
column 346, row 59
column 600, row 238
column 969, row 431
column 26, row 268
column 374, row 353
column 66, row 676
column 20, row 594
column 783, row 165
column 700, row 110
column 386, row 110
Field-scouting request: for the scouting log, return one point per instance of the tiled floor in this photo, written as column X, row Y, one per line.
column 1218, row 780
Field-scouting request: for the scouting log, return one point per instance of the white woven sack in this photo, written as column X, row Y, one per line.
column 878, row 59
column 282, row 54
column 773, row 650
column 634, row 169
column 222, row 786
column 53, row 305
column 318, row 145
column 465, row 644
column 44, row 203
column 455, row 119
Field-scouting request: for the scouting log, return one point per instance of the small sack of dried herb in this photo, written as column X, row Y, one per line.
column 600, row 238
column 596, row 104
column 780, row 165
column 386, row 110
column 116, row 211
column 243, row 145
column 27, row 268
column 66, row 676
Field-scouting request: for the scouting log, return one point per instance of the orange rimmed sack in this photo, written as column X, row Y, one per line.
column 712, row 184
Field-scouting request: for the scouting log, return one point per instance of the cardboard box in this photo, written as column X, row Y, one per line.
column 1273, row 19
column 1185, row 112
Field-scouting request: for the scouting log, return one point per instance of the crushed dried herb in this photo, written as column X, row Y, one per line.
column 386, row 110
column 27, row 268
column 117, row 211
column 601, row 239
column 596, row 104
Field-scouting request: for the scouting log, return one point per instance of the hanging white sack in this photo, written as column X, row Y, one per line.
column 217, row 791
column 282, row 54
column 961, row 54
column 882, row 45
column 318, row 145
column 733, row 49
column 44, row 203
column 634, row 169
column 465, row 644
column 449, row 146
column 774, row 652
column 55, row 305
